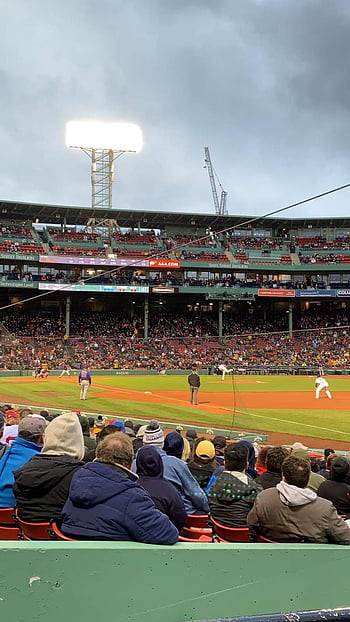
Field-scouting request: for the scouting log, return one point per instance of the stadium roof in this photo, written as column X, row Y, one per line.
column 58, row 214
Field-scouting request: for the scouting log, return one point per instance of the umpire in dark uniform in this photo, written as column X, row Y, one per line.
column 195, row 382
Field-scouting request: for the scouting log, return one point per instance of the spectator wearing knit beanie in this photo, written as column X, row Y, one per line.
column 42, row 485
column 175, row 470
column 153, row 434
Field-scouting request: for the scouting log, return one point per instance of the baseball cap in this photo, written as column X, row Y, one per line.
column 298, row 445
column 219, row 442
column 11, row 413
column 35, row 425
column 205, row 449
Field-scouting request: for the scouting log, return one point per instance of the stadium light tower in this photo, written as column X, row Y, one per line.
column 103, row 143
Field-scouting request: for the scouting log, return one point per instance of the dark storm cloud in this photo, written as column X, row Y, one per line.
column 263, row 83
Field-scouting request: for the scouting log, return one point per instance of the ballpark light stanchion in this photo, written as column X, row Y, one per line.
column 103, row 143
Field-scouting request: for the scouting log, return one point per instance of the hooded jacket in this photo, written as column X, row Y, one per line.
column 178, row 473
column 337, row 488
column 106, row 503
column 19, row 453
column 166, row 498
column 42, row 484
column 231, row 498
column 291, row 514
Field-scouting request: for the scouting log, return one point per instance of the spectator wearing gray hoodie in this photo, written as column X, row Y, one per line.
column 291, row 512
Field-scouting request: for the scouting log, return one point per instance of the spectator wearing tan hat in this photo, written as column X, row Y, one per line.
column 203, row 462
column 28, row 443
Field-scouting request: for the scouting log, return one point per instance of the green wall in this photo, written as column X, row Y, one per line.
column 129, row 582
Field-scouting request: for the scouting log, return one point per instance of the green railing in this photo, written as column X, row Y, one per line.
column 130, row 582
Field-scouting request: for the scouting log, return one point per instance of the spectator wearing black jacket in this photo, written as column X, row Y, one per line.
column 337, row 488
column 149, row 468
column 42, row 484
column 273, row 475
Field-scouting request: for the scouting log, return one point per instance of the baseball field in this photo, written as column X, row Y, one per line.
column 284, row 407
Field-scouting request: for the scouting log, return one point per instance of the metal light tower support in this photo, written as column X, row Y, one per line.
column 102, row 175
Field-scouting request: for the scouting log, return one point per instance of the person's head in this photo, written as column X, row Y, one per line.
column 45, row 414
column 330, row 459
column 262, row 455
column 186, row 452
column 119, row 425
column 84, row 422
column 219, row 443
column 174, row 444
column 296, row 471
column 24, row 412
column 327, row 452
column 204, row 452
column 129, row 424
column 32, row 429
column 106, row 431
column 149, row 462
column 115, row 449
column 12, row 417
column 340, row 469
column 301, row 453
column 191, row 434
column 236, row 457
column 153, row 434
column 275, row 457
column 64, row 436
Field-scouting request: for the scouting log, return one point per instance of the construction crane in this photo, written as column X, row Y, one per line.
column 220, row 206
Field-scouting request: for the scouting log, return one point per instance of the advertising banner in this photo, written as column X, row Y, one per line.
column 280, row 293
column 74, row 287
column 316, row 293
column 76, row 260
column 343, row 293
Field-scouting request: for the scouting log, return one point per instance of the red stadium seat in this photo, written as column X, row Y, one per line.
column 34, row 531
column 196, row 526
column 9, row 529
column 231, row 534
column 200, row 539
column 58, row 535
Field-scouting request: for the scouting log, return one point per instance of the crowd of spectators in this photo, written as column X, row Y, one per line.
column 326, row 258
column 104, row 479
column 108, row 340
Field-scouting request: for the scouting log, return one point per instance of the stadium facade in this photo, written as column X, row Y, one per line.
column 238, row 274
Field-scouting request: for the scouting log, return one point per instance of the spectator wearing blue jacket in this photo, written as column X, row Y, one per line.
column 175, row 470
column 27, row 444
column 106, row 502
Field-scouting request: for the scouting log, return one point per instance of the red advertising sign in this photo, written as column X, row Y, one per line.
column 164, row 263
column 281, row 293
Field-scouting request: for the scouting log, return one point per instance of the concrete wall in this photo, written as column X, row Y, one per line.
column 129, row 582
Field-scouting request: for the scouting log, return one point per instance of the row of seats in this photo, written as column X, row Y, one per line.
column 197, row 529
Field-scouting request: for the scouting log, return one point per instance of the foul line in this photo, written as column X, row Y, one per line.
column 307, row 425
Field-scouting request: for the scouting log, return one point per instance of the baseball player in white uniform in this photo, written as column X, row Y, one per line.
column 321, row 384
column 224, row 371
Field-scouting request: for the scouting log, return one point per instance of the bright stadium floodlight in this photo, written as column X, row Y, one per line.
column 103, row 143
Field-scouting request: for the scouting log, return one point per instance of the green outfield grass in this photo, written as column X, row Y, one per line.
column 313, row 421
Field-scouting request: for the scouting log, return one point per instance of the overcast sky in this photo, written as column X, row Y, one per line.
column 263, row 83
